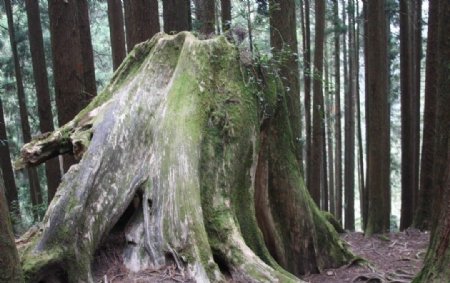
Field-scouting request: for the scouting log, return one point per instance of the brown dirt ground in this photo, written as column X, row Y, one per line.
column 391, row 258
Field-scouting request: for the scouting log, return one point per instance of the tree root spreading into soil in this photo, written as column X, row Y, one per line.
column 393, row 258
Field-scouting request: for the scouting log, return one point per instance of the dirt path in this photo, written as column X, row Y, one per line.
column 393, row 258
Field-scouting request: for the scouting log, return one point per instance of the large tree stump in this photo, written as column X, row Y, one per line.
column 203, row 148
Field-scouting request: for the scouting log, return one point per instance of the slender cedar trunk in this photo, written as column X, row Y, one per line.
column 337, row 133
column 361, row 174
column 410, row 97
column 418, row 54
column 52, row 167
column 349, row 173
column 35, row 190
column 6, row 167
column 87, row 52
column 283, row 40
column 346, row 98
column 365, row 196
column 176, row 15
column 437, row 259
column 428, row 197
column 378, row 129
column 318, row 110
column 324, row 172
column 306, row 32
column 205, row 13
column 116, row 32
column 10, row 270
column 72, row 60
column 141, row 21
column 226, row 14
column 330, row 125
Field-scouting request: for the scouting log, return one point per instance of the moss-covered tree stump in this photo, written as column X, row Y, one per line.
column 202, row 147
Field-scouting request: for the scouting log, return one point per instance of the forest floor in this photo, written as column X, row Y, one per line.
column 390, row 258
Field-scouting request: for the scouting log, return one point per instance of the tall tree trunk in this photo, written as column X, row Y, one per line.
column 324, row 172
column 428, row 196
column 410, row 96
column 318, row 109
column 116, row 32
column 206, row 16
column 10, row 271
column 5, row 166
column 219, row 153
column 338, row 135
column 361, row 179
column 330, row 126
column 141, row 21
column 418, row 49
column 73, row 71
column 349, row 173
column 345, row 55
column 35, row 190
column 377, row 119
column 365, row 196
column 306, row 34
column 226, row 14
column 437, row 259
column 283, row 40
column 52, row 167
column 176, row 15
column 87, row 52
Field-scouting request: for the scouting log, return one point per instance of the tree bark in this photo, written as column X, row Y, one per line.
column 338, row 127
column 226, row 14
column 283, row 40
column 87, row 52
column 35, row 190
column 10, row 271
column 365, row 196
column 437, row 259
column 6, row 167
column 141, row 21
column 428, row 196
column 318, row 116
column 410, row 96
column 349, row 158
column 361, row 184
column 330, row 116
column 377, row 119
column 306, row 34
column 176, row 15
column 205, row 11
column 218, row 182
column 52, row 167
column 116, row 32
column 72, row 60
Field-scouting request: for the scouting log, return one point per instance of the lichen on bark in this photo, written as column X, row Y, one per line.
column 183, row 127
